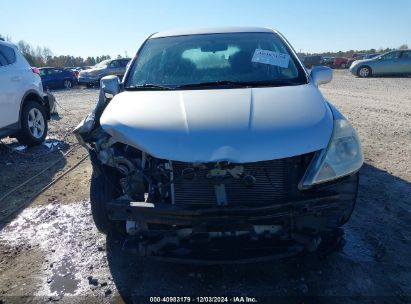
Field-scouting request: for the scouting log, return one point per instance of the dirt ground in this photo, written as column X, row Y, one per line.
column 50, row 249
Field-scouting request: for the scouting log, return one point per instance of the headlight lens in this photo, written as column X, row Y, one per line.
column 342, row 157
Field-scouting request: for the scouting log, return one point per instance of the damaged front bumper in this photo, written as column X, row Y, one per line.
column 237, row 234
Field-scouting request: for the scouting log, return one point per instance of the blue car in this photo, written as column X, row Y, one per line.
column 56, row 78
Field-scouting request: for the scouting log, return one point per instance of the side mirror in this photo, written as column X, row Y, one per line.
column 321, row 75
column 110, row 85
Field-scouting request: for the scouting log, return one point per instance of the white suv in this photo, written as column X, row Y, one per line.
column 24, row 107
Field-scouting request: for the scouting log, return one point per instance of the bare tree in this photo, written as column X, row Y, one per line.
column 46, row 54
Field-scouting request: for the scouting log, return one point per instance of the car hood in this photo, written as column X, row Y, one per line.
column 92, row 71
column 237, row 125
column 356, row 62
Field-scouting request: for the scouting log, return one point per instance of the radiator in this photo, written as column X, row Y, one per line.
column 270, row 185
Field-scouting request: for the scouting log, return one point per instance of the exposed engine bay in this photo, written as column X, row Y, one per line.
column 213, row 211
column 147, row 182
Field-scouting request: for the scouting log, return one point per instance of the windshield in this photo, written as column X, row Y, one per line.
column 250, row 59
column 102, row 64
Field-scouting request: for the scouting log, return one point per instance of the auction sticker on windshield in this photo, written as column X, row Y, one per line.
column 270, row 57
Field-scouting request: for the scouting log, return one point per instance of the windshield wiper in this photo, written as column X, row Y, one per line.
column 239, row 83
column 148, row 86
column 213, row 84
column 223, row 83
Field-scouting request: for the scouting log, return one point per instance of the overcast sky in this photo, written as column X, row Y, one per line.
column 92, row 27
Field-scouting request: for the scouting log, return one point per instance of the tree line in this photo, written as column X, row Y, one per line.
column 349, row 53
column 43, row 56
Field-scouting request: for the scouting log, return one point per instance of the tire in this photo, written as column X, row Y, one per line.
column 67, row 84
column 33, row 124
column 364, row 71
column 104, row 187
column 343, row 65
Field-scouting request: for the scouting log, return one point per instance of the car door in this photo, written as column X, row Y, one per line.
column 56, row 78
column 405, row 62
column 115, row 68
column 45, row 78
column 10, row 82
column 124, row 63
column 388, row 63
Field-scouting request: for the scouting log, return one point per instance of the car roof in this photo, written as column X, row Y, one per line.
column 392, row 51
column 6, row 43
column 213, row 30
column 397, row 51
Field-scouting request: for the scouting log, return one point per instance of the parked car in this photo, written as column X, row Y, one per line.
column 354, row 58
column 310, row 61
column 107, row 67
column 56, row 78
column 213, row 149
column 327, row 61
column 358, row 55
column 75, row 70
column 391, row 63
column 368, row 56
column 340, row 62
column 24, row 107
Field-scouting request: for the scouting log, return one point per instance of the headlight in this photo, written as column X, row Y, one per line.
column 342, row 157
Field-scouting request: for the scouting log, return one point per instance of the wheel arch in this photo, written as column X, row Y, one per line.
column 364, row 66
column 34, row 96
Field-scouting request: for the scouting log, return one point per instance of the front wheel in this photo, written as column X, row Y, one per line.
column 364, row 71
column 104, row 188
column 67, row 84
column 33, row 124
column 343, row 65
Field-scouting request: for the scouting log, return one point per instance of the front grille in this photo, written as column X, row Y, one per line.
column 271, row 185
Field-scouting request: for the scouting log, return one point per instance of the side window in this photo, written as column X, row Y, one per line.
column 7, row 55
column 392, row 55
column 114, row 64
column 406, row 55
column 3, row 60
column 55, row 71
column 43, row 72
column 124, row 63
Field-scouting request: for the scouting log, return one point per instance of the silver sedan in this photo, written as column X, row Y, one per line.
column 391, row 63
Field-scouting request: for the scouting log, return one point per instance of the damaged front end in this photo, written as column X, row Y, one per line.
column 212, row 212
